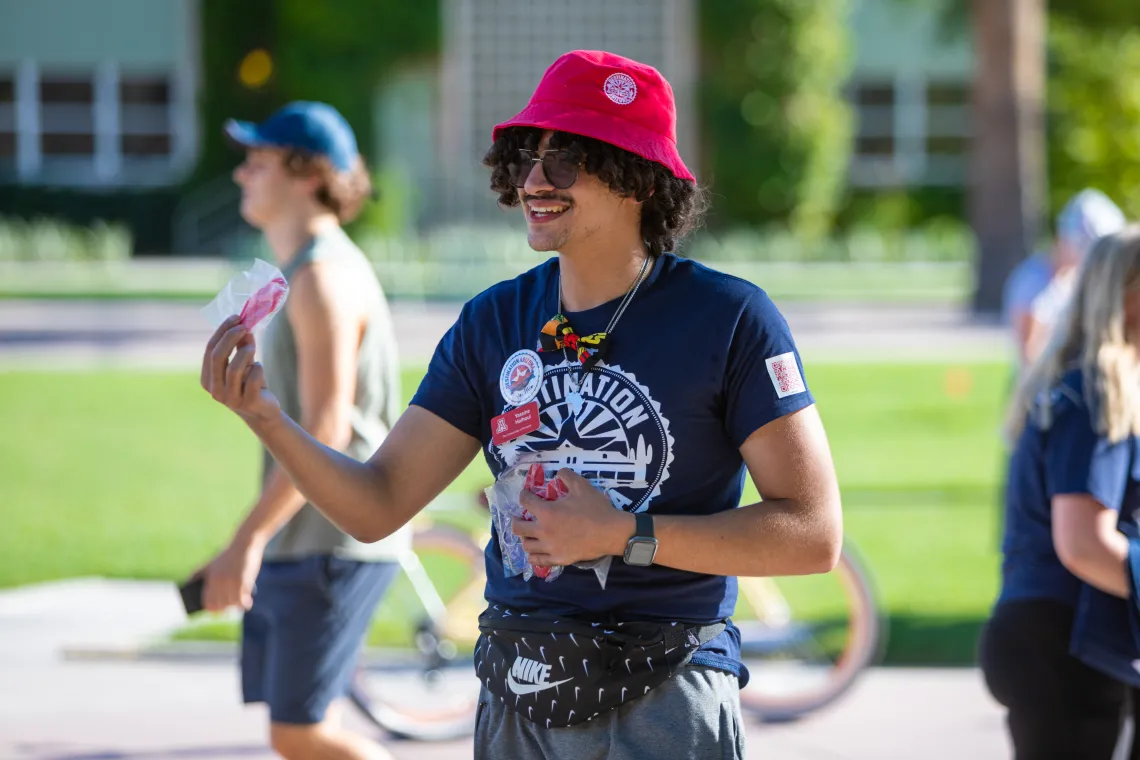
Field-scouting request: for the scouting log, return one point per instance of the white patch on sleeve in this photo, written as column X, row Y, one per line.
column 785, row 374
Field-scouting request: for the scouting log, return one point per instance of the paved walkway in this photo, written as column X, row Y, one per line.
column 63, row 334
column 65, row 695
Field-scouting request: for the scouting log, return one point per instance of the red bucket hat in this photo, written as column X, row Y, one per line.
column 610, row 98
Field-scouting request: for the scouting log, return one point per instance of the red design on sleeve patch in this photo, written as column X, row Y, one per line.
column 785, row 374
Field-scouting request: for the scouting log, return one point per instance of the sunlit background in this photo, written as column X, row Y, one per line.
column 878, row 166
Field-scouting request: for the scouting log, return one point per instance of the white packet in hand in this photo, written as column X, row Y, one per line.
column 256, row 295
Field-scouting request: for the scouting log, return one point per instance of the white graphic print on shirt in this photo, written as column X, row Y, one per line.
column 619, row 440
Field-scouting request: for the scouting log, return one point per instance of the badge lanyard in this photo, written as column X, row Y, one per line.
column 558, row 334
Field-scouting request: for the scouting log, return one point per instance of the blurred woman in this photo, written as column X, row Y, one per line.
column 1071, row 485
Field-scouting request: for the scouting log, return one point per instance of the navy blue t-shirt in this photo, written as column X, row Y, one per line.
column 698, row 362
column 1069, row 457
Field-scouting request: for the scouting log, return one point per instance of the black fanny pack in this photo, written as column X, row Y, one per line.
column 558, row 673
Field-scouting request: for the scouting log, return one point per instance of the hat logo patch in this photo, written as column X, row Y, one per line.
column 620, row 88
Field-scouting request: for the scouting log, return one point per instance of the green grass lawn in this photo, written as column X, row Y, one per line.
column 141, row 475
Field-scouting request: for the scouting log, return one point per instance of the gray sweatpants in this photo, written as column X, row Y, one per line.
column 695, row 715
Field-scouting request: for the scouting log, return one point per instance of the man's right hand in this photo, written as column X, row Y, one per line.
column 239, row 383
column 367, row 500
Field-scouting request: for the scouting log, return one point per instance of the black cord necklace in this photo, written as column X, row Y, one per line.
column 598, row 343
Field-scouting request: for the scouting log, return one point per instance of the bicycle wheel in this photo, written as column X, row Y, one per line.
column 429, row 692
column 805, row 640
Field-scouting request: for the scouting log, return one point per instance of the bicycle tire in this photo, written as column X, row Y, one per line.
column 865, row 642
column 396, row 716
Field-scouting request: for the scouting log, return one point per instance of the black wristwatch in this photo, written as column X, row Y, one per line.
column 642, row 547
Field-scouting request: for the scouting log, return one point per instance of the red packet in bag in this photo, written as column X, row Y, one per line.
column 551, row 490
column 503, row 502
column 266, row 301
column 255, row 295
column 537, row 484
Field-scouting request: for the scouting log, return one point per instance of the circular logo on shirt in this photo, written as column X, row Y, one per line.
column 521, row 377
column 619, row 440
column 620, row 88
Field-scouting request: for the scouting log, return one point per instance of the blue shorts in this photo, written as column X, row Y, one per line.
column 301, row 639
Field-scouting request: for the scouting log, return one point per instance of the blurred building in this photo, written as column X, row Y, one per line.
column 496, row 52
column 101, row 95
column 911, row 93
column 910, row 89
column 98, row 94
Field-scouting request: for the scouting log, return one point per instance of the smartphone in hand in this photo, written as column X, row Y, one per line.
column 191, row 592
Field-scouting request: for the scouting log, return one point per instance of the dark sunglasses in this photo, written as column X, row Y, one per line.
column 557, row 166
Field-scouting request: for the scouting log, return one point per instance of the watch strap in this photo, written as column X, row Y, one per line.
column 643, row 523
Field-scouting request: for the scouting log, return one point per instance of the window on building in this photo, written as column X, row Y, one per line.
column 144, row 117
column 67, row 116
column 875, row 110
column 7, row 122
column 910, row 131
column 947, row 118
column 102, row 126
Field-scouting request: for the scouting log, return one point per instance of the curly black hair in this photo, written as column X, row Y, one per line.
column 671, row 207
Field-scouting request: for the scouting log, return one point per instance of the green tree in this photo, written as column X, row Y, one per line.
column 776, row 128
column 1094, row 111
column 229, row 31
column 1095, row 14
column 336, row 51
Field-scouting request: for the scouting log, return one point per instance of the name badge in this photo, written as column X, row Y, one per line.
column 515, row 423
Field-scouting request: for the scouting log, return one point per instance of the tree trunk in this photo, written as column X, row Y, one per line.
column 1007, row 165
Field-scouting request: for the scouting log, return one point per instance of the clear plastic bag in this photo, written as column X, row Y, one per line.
column 255, row 295
column 503, row 500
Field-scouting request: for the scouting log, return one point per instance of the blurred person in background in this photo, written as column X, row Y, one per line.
column 593, row 359
column 1038, row 288
column 1057, row 651
column 308, row 588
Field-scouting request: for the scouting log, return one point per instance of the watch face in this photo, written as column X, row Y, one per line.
column 641, row 553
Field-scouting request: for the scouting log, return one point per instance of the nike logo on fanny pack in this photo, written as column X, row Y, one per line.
column 528, row 677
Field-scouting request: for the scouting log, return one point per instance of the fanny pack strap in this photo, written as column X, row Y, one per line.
column 673, row 634
column 696, row 636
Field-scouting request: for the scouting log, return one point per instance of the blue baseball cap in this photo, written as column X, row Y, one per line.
column 316, row 128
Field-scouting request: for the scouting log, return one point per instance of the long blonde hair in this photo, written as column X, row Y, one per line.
column 1091, row 335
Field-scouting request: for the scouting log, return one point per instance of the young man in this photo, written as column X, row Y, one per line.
column 308, row 588
column 696, row 380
